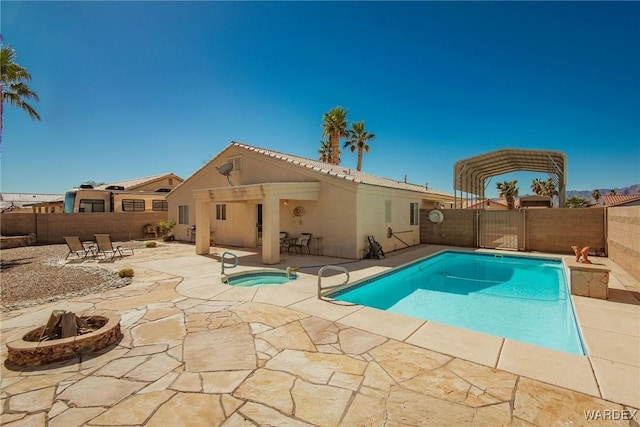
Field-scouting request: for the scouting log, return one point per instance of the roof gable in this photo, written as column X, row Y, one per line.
column 316, row 166
column 132, row 184
column 335, row 171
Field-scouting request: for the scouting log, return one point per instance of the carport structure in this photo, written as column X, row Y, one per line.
column 471, row 175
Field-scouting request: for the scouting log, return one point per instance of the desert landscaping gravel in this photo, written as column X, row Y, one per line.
column 34, row 275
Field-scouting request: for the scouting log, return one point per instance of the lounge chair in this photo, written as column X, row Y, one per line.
column 106, row 249
column 300, row 243
column 77, row 248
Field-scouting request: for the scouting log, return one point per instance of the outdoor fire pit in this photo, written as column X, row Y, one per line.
column 65, row 336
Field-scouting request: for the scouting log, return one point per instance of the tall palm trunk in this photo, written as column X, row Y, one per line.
column 335, row 148
column 360, row 152
column 1, row 113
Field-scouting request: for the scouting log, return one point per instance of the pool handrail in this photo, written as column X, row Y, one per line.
column 331, row 267
column 235, row 261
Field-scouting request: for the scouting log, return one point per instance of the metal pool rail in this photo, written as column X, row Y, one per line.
column 235, row 260
column 330, row 267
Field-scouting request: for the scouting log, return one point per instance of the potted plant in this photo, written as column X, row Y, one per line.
column 165, row 228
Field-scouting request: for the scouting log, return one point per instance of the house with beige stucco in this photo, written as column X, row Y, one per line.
column 246, row 196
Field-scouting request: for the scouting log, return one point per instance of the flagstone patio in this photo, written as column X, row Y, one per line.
column 198, row 352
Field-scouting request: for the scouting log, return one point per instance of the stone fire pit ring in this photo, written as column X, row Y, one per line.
column 34, row 353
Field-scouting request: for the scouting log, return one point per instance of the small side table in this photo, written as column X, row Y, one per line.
column 317, row 245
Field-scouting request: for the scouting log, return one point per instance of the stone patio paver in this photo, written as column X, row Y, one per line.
column 208, row 359
column 135, row 410
column 99, row 391
column 75, row 417
column 189, row 409
column 226, row 348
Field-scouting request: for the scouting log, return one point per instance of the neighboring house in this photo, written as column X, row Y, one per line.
column 134, row 195
column 30, row 202
column 161, row 183
column 488, row 204
column 615, row 200
column 535, row 201
column 266, row 192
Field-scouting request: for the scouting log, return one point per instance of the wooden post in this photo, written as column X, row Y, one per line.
column 68, row 325
column 52, row 324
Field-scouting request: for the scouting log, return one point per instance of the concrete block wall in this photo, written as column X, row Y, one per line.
column 457, row 228
column 556, row 230
column 623, row 238
column 547, row 230
column 51, row 228
column 17, row 223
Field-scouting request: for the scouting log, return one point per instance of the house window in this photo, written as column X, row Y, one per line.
column 221, row 212
column 170, row 181
column 91, row 205
column 132, row 205
column 387, row 210
column 413, row 218
column 183, row 214
column 237, row 163
column 159, row 205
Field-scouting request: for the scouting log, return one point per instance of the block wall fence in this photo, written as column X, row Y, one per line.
column 51, row 228
column 617, row 230
column 547, row 230
column 623, row 237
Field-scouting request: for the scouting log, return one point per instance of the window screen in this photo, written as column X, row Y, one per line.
column 132, row 205
column 183, row 214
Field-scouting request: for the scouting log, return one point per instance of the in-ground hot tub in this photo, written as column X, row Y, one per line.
column 264, row 277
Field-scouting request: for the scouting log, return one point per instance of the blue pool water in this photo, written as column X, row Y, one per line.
column 523, row 299
column 259, row 278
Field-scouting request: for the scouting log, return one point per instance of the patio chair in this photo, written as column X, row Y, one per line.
column 283, row 241
column 77, row 248
column 300, row 243
column 106, row 248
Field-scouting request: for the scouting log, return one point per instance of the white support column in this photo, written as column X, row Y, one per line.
column 270, row 229
column 202, row 227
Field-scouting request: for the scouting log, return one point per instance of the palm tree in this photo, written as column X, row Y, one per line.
column 577, row 202
column 13, row 89
column 325, row 151
column 508, row 190
column 550, row 188
column 335, row 126
column 537, row 186
column 596, row 196
column 357, row 139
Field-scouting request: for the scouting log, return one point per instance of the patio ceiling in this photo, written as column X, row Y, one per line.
column 470, row 175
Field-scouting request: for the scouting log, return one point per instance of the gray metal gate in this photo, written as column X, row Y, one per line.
column 501, row 229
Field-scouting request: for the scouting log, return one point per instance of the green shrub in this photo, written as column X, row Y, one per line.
column 151, row 244
column 166, row 226
column 125, row 272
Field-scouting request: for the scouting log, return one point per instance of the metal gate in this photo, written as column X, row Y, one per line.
column 501, row 229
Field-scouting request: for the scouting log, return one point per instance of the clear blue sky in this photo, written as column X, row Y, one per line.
column 131, row 89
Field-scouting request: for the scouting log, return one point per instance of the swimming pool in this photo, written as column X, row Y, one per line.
column 524, row 299
column 259, row 278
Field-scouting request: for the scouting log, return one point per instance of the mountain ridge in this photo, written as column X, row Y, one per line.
column 631, row 189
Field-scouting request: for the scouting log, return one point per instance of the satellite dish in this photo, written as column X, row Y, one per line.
column 226, row 170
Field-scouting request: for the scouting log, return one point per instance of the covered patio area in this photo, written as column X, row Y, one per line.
column 269, row 195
